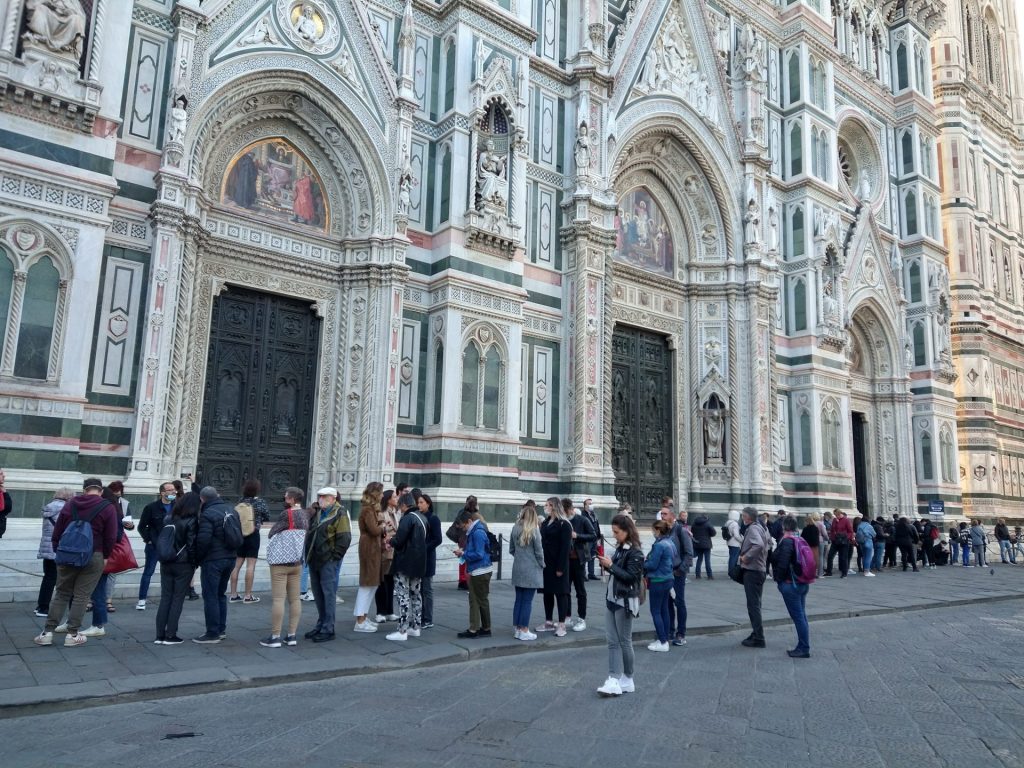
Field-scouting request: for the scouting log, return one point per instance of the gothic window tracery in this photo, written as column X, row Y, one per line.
column 483, row 381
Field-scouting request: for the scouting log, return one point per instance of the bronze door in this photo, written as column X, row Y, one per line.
column 642, row 419
column 260, row 393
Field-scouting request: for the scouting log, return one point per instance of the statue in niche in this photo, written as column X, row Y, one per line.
column 773, row 229
column 305, row 24
column 752, row 50
column 179, row 120
column 59, row 25
column 751, row 223
column 710, row 238
column 908, row 355
column 829, row 304
column 581, row 150
column 491, row 177
column 405, row 188
column 714, row 431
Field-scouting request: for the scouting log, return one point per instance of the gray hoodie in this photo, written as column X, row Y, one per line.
column 978, row 536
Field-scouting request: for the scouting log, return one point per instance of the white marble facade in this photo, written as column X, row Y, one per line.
column 474, row 196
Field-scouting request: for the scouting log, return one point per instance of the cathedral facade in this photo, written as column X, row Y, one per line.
column 735, row 252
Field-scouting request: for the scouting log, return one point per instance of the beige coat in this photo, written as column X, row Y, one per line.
column 371, row 534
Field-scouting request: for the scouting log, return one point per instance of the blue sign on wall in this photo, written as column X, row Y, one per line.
column 937, row 507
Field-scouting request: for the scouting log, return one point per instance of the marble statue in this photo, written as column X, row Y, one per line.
column 829, row 304
column 714, row 433
column 405, row 188
column 491, row 177
column 773, row 229
column 752, row 51
column 305, row 25
column 751, row 222
column 57, row 24
column 179, row 119
column 581, row 150
column 261, row 33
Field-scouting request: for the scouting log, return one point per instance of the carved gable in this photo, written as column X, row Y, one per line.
column 679, row 62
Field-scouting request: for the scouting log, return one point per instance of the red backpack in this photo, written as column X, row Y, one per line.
column 806, row 571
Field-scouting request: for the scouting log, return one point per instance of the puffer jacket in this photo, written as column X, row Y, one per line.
column 50, row 512
column 702, row 531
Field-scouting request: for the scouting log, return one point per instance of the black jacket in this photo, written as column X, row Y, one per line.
column 593, row 523
column 585, row 536
column 784, row 559
column 434, row 540
column 702, row 531
column 410, row 545
column 210, row 540
column 683, row 540
column 556, row 539
column 151, row 521
column 905, row 533
column 628, row 569
column 1002, row 532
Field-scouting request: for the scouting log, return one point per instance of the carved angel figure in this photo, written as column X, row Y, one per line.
column 57, row 24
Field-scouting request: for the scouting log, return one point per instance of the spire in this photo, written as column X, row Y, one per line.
column 407, row 53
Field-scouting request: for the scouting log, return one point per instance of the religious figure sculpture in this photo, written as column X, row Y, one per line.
column 179, row 119
column 714, row 433
column 752, row 50
column 405, row 188
column 773, row 229
column 261, row 33
column 829, row 303
column 751, row 222
column 59, row 25
column 908, row 355
column 581, row 150
column 864, row 186
column 491, row 177
column 305, row 25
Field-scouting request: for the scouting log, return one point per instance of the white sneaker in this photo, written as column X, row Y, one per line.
column 62, row 628
column 140, row 606
column 398, row 637
column 611, row 687
column 527, row 635
column 73, row 640
column 392, row 617
column 413, row 632
column 868, row 573
column 517, row 635
column 580, row 625
column 380, row 618
column 365, row 626
column 658, row 647
column 43, row 638
column 547, row 626
column 626, row 684
column 339, row 600
column 307, row 596
column 93, row 632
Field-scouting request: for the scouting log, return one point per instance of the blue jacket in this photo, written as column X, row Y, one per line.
column 477, row 553
column 658, row 565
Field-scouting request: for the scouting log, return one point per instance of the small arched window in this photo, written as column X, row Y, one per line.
column 927, row 463
column 815, row 152
column 35, row 334
column 470, row 384
column 969, row 34
column 793, row 68
column 806, row 444
column 798, row 231
column 910, row 213
column 914, row 278
column 800, row 305
column 920, row 350
column 796, row 149
column 907, row 152
column 902, row 68
column 438, row 382
column 919, row 68
column 483, row 382
column 6, row 288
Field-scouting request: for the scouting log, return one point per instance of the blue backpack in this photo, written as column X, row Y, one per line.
column 75, row 546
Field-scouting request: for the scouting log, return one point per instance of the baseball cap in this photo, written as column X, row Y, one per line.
column 92, row 482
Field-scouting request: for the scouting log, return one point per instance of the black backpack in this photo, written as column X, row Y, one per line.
column 172, row 546
column 493, row 547
column 232, row 527
column 725, row 532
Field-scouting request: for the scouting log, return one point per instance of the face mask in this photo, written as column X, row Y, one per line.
column 172, row 496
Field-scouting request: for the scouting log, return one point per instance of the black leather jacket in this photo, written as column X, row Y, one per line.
column 410, row 545
column 627, row 570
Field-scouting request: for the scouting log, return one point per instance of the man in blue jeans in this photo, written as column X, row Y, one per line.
column 794, row 594
column 683, row 542
column 217, row 560
column 327, row 540
column 150, row 525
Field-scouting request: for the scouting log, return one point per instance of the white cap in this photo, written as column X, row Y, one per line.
column 328, row 491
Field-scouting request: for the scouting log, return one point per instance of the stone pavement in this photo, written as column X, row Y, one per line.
column 933, row 689
column 126, row 664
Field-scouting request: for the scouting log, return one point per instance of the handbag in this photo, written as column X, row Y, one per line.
column 736, row 572
column 122, row 558
column 285, row 546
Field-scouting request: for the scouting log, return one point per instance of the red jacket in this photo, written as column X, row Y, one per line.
column 841, row 525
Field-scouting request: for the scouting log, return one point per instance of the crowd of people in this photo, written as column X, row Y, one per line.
column 555, row 551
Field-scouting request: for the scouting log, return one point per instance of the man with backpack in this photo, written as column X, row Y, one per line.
column 83, row 538
column 220, row 535
column 150, row 524
column 794, row 573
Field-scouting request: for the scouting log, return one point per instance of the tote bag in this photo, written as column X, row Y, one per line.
column 285, row 546
column 122, row 558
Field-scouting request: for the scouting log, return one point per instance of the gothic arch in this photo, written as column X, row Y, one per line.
column 662, row 143
column 347, row 154
column 877, row 339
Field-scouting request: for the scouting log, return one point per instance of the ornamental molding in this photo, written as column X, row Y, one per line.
column 86, row 203
column 37, row 405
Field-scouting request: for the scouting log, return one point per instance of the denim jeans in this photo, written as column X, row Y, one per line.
column 523, row 607
column 979, row 555
column 304, row 579
column 879, row 553
column 795, row 597
column 679, row 585
column 867, row 551
column 954, row 550
column 213, row 577
column 698, row 555
column 324, row 583
column 965, row 552
column 1006, row 552
column 99, row 601
column 658, row 597
column 148, row 570
column 734, row 555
